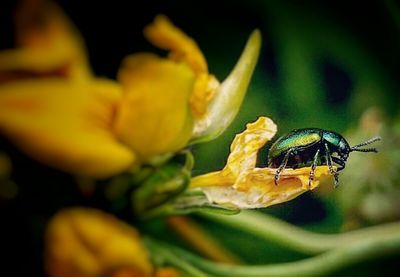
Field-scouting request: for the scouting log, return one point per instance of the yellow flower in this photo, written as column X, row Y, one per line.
column 241, row 184
column 65, row 124
column 58, row 113
column 83, row 242
column 67, row 118
column 154, row 115
column 169, row 101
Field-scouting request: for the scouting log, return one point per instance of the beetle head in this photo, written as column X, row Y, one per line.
column 343, row 149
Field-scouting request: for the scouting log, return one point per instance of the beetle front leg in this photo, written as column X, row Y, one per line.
column 313, row 166
column 329, row 162
column 282, row 166
column 339, row 162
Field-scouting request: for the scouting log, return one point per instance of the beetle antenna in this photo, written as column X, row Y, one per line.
column 365, row 150
column 372, row 140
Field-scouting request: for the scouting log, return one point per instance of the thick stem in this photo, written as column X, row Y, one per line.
column 360, row 250
column 162, row 255
column 295, row 238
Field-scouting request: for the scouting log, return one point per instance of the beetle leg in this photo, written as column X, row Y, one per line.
column 339, row 162
column 329, row 162
column 313, row 166
column 282, row 166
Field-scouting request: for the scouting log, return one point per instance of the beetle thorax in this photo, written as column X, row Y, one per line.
column 337, row 144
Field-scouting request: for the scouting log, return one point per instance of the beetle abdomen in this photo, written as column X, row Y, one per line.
column 295, row 139
column 303, row 157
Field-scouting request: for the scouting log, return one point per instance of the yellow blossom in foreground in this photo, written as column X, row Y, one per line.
column 241, row 184
column 83, row 242
column 55, row 110
column 50, row 104
column 65, row 124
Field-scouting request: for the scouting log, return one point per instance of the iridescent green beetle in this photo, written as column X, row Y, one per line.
column 312, row 147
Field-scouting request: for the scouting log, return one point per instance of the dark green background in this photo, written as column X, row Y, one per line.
column 322, row 64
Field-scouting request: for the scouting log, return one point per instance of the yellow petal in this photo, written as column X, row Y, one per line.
column 229, row 96
column 243, row 185
column 243, row 156
column 257, row 189
column 183, row 49
column 154, row 116
column 65, row 124
column 48, row 42
column 204, row 91
column 245, row 146
column 163, row 34
column 87, row 242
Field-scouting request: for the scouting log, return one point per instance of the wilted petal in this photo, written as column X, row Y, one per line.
column 229, row 96
column 245, row 146
column 65, row 124
column 83, row 242
column 257, row 189
column 241, row 184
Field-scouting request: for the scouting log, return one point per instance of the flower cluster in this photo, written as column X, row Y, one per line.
column 58, row 112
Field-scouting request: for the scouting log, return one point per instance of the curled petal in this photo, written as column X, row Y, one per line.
column 83, row 242
column 162, row 33
column 184, row 49
column 229, row 96
column 241, row 184
column 65, row 124
column 245, row 146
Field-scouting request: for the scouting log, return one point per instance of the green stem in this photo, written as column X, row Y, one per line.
column 295, row 238
column 323, row 264
column 161, row 254
column 341, row 250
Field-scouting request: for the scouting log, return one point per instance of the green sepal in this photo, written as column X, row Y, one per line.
column 163, row 184
column 190, row 202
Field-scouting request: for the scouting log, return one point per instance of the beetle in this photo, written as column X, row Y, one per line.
column 312, row 147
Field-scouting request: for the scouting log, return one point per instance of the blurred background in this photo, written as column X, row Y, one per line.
column 327, row 64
